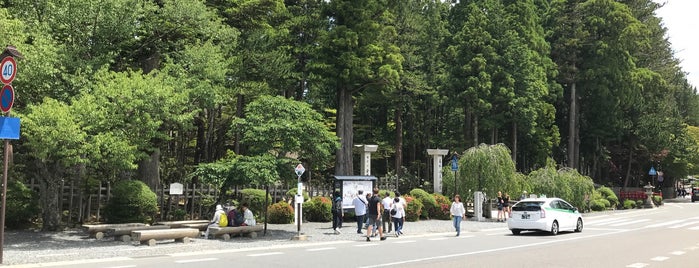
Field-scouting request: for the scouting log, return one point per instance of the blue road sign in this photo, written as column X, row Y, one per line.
column 454, row 163
column 652, row 171
column 9, row 128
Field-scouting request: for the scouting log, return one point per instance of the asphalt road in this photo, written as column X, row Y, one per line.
column 662, row 237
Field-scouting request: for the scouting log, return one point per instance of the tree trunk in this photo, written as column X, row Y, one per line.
column 239, row 114
column 149, row 170
column 399, row 140
column 628, row 168
column 475, row 131
column 467, row 124
column 571, row 127
column 50, row 193
column 343, row 161
column 514, row 143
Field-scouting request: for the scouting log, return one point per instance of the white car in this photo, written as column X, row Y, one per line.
column 544, row 214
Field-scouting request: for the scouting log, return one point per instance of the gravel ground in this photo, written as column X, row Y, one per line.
column 29, row 247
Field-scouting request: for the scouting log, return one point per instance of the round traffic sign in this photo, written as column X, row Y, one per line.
column 7, row 98
column 8, row 69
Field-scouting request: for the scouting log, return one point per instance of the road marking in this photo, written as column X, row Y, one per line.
column 437, row 239
column 405, row 242
column 637, row 265
column 664, row 223
column 366, row 245
column 488, row 250
column 265, row 254
column 684, row 224
column 196, row 260
column 465, row 236
column 125, row 266
column 629, row 222
column 678, row 253
column 606, row 222
column 319, row 249
column 694, row 228
column 659, row 258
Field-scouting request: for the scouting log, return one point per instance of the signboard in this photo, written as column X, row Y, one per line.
column 652, row 171
column 7, row 98
column 299, row 170
column 454, row 163
column 176, row 188
column 9, row 128
column 350, row 189
column 8, row 70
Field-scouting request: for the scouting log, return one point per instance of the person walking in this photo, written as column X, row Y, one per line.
column 374, row 215
column 337, row 212
column 405, row 210
column 501, row 215
column 360, row 205
column 387, row 203
column 457, row 212
column 398, row 215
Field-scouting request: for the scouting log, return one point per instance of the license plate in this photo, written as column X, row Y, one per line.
column 525, row 216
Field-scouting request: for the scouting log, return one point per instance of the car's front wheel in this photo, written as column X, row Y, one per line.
column 579, row 225
column 554, row 228
column 516, row 232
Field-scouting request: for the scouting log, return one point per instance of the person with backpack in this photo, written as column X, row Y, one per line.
column 220, row 220
column 337, row 212
column 360, row 204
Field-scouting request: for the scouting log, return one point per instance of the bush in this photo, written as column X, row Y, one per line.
column 291, row 193
column 280, row 213
column 414, row 210
column 608, row 194
column 629, row 204
column 442, row 210
column 657, row 200
column 256, row 201
column 639, row 203
column 430, row 205
column 22, row 207
column 318, row 209
column 131, row 201
column 598, row 204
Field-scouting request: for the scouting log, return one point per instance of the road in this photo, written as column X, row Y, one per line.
column 661, row 237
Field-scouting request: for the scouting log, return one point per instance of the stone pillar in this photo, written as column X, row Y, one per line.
column 437, row 155
column 365, row 163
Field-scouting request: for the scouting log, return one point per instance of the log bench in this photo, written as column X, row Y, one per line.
column 149, row 237
column 200, row 226
column 227, row 232
column 180, row 224
column 124, row 233
column 97, row 230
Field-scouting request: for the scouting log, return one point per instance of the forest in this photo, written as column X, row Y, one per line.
column 240, row 91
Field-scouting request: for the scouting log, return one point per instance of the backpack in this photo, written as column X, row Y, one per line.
column 239, row 219
column 337, row 205
column 223, row 220
column 231, row 215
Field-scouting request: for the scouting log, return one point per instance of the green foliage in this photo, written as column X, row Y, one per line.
column 566, row 183
column 280, row 213
column 131, row 201
column 256, row 200
column 608, row 194
column 427, row 200
column 318, row 209
column 291, row 193
column 598, row 204
column 629, row 204
column 487, row 168
column 657, row 200
column 639, row 203
column 415, row 208
column 22, row 206
column 442, row 210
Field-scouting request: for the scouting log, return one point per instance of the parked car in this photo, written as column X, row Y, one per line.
column 695, row 193
column 544, row 214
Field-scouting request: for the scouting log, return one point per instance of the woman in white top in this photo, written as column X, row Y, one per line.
column 398, row 216
column 458, row 212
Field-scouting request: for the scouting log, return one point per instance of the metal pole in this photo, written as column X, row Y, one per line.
column 298, row 206
column 4, row 194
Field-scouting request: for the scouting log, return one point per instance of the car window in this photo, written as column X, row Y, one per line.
column 527, row 206
column 565, row 205
column 554, row 204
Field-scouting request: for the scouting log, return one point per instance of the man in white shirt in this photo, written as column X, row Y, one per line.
column 360, row 204
column 387, row 203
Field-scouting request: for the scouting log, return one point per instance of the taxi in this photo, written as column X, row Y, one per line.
column 544, row 214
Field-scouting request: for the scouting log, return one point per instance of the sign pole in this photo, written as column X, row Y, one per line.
column 299, row 200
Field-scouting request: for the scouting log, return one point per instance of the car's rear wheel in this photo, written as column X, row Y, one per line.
column 579, row 225
column 516, row 232
column 554, row 228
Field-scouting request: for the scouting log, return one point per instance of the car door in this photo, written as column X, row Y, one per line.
column 570, row 215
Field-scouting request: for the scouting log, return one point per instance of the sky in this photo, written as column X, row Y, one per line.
column 682, row 22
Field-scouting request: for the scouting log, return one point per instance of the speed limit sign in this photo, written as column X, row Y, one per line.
column 8, row 69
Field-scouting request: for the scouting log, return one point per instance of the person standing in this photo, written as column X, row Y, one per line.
column 374, row 215
column 337, row 212
column 398, row 216
column 360, row 205
column 501, row 215
column 506, row 206
column 457, row 212
column 387, row 203
column 405, row 210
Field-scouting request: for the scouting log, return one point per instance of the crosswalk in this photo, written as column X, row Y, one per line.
column 640, row 222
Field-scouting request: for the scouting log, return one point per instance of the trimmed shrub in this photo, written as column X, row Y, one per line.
column 598, row 204
column 382, row 193
column 414, row 208
column 318, row 209
column 629, row 204
column 256, row 201
column 280, row 213
column 131, row 201
column 21, row 207
column 639, row 203
column 430, row 205
column 442, row 210
column 608, row 194
column 657, row 200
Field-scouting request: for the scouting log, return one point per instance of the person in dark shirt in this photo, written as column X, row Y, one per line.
column 374, row 211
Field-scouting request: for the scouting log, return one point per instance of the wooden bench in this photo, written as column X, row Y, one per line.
column 97, row 230
column 200, row 226
column 149, row 237
column 181, row 224
column 227, row 232
column 124, row 233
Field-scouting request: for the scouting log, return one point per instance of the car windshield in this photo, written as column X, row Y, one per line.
column 528, row 206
